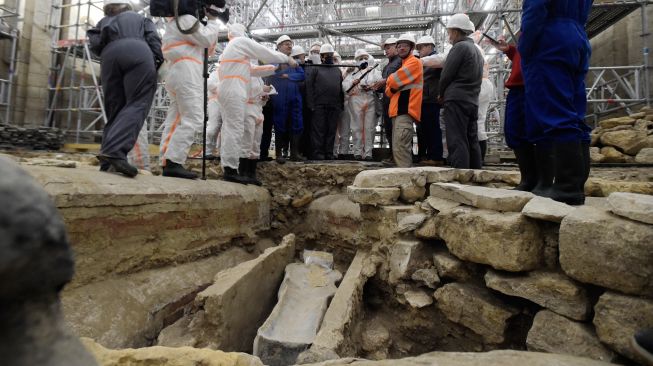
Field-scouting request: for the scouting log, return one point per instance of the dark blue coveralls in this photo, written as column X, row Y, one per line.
column 130, row 51
column 287, row 105
column 555, row 55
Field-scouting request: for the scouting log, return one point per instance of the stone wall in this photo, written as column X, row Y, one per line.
column 517, row 270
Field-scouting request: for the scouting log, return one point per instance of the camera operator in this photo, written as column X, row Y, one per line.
column 184, row 83
column 130, row 49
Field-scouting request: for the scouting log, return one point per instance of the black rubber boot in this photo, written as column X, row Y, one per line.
column 569, row 174
column 172, row 169
column 642, row 343
column 118, row 165
column 244, row 170
column 295, row 142
column 544, row 168
column 231, row 175
column 585, row 150
column 251, row 172
column 527, row 167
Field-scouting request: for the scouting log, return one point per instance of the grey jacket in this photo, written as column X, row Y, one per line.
column 462, row 73
column 324, row 87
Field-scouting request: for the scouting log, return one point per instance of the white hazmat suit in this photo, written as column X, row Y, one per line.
column 184, row 83
column 251, row 145
column 484, row 99
column 139, row 156
column 235, row 75
column 362, row 108
column 214, row 124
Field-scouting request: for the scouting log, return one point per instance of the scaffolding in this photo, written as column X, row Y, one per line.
column 8, row 32
column 76, row 103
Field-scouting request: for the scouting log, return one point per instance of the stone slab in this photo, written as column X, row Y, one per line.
column 476, row 308
column 392, row 177
column 482, row 197
column 606, row 250
column 546, row 209
column 496, row 176
column 335, row 216
column 450, row 267
column 406, row 256
column 551, row 290
column 506, row 241
column 410, row 222
column 617, row 317
column 441, row 204
column 634, row 206
column 373, row 196
column 293, row 324
column 119, row 226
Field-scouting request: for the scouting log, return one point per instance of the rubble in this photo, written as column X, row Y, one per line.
column 638, row 207
column 37, row 138
column 482, row 197
column 622, row 139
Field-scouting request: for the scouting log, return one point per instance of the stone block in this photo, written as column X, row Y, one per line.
column 418, row 299
column 603, row 249
column 427, row 277
column 598, row 187
column 554, row 333
column 475, row 308
column 453, row 268
column 617, row 317
column 441, row 204
column 546, row 209
column 411, row 193
column 303, row 299
column 336, row 216
column 551, row 290
column 612, row 155
column 373, row 196
column 410, row 222
column 627, row 141
column 595, row 155
column 389, row 178
column 645, row 156
column 614, row 122
column 496, row 176
column 482, row 197
column 505, row 241
column 638, row 207
column 406, row 256
column 428, row 230
column 437, row 174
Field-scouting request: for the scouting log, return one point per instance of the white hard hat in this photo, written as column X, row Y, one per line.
column 390, row 40
column 426, row 40
column 282, row 39
column 460, row 21
column 237, row 30
column 327, row 48
column 361, row 52
column 406, row 37
column 297, row 50
column 116, row 2
column 318, row 44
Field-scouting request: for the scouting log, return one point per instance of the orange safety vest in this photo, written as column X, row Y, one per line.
column 404, row 88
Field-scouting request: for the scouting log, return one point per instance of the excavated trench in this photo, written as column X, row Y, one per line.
column 215, row 288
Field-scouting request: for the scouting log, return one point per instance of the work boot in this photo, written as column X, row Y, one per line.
column 279, row 153
column 119, row 165
column 172, row 169
column 544, row 169
column 251, row 172
column 295, row 142
column 527, row 167
column 231, row 175
column 585, row 150
column 569, row 173
column 643, row 345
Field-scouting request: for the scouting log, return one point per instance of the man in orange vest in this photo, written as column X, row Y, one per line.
column 404, row 88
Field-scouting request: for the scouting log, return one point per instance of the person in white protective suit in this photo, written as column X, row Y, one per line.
column 139, row 156
column 214, row 123
column 235, row 75
column 185, row 86
column 484, row 99
column 343, row 133
column 258, row 95
column 362, row 104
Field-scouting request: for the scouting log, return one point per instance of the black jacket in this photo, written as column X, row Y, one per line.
column 125, row 25
column 431, row 88
column 462, row 73
column 394, row 64
column 324, row 87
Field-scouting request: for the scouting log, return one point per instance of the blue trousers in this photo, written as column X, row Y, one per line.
column 554, row 78
column 287, row 109
column 515, row 122
column 429, row 134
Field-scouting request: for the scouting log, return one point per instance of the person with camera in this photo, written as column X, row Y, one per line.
column 235, row 75
column 185, row 86
column 130, row 51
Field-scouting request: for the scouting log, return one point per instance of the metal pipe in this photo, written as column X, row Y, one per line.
column 338, row 33
column 645, row 52
column 256, row 14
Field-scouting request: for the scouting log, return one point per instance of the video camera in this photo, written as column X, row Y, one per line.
column 196, row 8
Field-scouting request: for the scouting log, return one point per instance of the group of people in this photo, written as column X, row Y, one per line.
column 316, row 107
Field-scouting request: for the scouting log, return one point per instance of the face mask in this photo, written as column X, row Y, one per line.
column 315, row 59
column 328, row 59
column 362, row 64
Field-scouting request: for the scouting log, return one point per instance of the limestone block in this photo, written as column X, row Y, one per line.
column 375, row 337
column 373, row 196
column 595, row 138
column 551, row 290
column 389, row 178
column 627, row 141
column 493, row 358
column 595, row 155
column 556, row 334
column 427, row 276
column 543, row 208
column 496, row 176
column 303, row 200
column 482, row 197
column 182, row 356
column 334, row 215
column 612, row 155
column 290, row 329
column 464, row 176
column 634, row 206
column 441, row 204
column 410, row 222
column 506, row 241
column 603, row 249
column 617, row 317
column 437, row 174
column 598, row 187
column 645, row 156
column 451, row 267
column 418, row 298
column 475, row 308
column 229, row 310
column 428, row 230
column 406, row 256
column 643, row 125
column 614, row 122
column 411, row 193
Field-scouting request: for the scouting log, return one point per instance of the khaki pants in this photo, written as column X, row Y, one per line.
column 402, row 140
